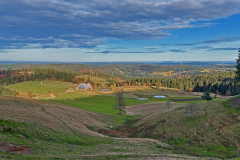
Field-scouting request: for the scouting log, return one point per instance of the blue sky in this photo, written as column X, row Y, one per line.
column 125, row 30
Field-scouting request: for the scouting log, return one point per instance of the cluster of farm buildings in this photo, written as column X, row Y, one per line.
column 84, row 86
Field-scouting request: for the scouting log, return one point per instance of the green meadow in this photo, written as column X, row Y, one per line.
column 180, row 127
column 40, row 89
column 94, row 101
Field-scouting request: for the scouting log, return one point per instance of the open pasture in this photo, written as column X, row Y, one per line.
column 105, row 103
column 97, row 101
column 39, row 88
column 53, row 131
column 93, row 109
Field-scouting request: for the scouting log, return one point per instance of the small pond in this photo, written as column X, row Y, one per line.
column 105, row 90
column 142, row 98
column 160, row 96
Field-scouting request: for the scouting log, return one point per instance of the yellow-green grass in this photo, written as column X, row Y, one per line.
column 88, row 100
column 103, row 103
column 40, row 89
column 47, row 143
column 213, row 124
column 38, row 130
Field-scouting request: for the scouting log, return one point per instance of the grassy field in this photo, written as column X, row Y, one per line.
column 57, row 131
column 214, row 131
column 95, row 101
column 46, row 143
column 105, row 103
column 51, row 131
column 41, row 89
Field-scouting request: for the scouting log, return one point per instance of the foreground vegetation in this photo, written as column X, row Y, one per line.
column 47, row 133
column 206, row 135
column 69, row 123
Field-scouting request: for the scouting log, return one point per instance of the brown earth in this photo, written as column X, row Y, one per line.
column 59, row 117
column 187, row 99
column 150, row 108
column 10, row 147
column 152, row 156
column 236, row 103
column 56, row 116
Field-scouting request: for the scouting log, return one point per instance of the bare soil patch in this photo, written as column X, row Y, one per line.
column 22, row 100
column 235, row 103
column 187, row 99
column 59, row 117
column 10, row 147
column 113, row 133
column 149, row 108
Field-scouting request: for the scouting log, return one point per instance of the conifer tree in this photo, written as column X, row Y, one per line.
column 206, row 95
column 237, row 78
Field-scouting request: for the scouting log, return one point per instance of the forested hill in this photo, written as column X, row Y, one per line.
column 220, row 83
column 158, row 71
column 61, row 66
column 126, row 70
column 144, row 70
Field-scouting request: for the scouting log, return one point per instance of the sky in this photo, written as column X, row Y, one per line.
column 123, row 30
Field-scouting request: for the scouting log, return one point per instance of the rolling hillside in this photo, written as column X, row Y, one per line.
column 52, row 131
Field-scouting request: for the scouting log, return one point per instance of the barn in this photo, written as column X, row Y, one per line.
column 84, row 86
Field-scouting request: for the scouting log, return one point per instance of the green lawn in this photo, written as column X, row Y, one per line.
column 86, row 100
column 37, row 88
column 103, row 103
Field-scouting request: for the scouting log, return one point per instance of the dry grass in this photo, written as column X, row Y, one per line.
column 150, row 108
column 59, row 117
column 212, row 125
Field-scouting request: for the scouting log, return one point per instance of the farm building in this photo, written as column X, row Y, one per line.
column 84, row 86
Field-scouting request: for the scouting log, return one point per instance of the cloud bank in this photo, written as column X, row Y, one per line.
column 86, row 24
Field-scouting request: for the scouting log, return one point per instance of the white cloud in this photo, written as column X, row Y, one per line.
column 82, row 23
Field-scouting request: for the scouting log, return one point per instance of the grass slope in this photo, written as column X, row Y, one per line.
column 214, row 131
column 92, row 100
column 49, row 131
column 37, row 88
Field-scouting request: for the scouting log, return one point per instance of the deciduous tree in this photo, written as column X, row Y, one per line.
column 168, row 103
column 120, row 101
column 192, row 108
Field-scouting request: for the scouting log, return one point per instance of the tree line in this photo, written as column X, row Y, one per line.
column 12, row 77
column 220, row 83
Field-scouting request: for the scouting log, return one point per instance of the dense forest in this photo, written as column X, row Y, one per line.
column 220, row 83
column 154, row 71
column 126, row 70
column 215, row 81
column 9, row 76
